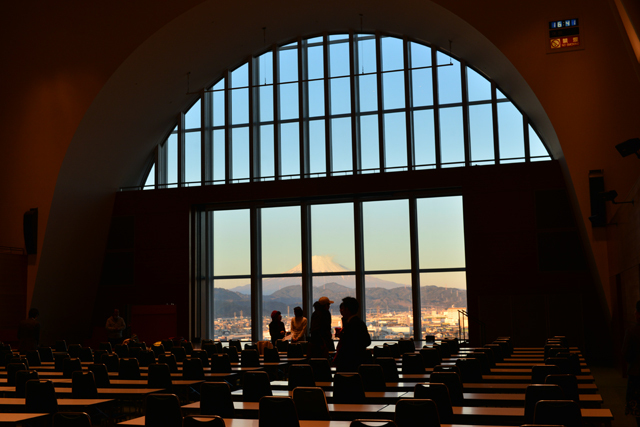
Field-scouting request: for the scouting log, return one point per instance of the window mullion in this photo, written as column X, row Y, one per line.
column 408, row 85
column 181, row 150
column 254, row 161
column 527, row 149
column 381, row 141
column 327, row 106
column 256, row 274
column 353, row 83
column 436, row 108
column 303, row 109
column 465, row 114
column 359, row 257
column 415, row 269
column 228, row 155
column 276, row 115
column 206, row 148
column 494, row 117
column 307, row 266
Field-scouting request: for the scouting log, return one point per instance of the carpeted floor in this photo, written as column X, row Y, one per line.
column 612, row 387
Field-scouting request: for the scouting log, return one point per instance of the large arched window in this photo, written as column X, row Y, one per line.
column 327, row 107
column 343, row 104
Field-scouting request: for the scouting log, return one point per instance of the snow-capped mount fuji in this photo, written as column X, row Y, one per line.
column 321, row 264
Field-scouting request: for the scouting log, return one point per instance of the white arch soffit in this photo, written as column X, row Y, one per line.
column 138, row 106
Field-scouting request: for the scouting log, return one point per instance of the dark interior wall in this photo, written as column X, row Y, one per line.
column 527, row 275
column 13, row 293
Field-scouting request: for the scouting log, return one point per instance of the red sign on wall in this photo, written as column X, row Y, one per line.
column 562, row 42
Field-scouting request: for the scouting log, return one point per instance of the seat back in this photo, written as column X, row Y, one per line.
column 235, row 344
column 146, row 357
column 162, row 410
column 568, row 383
column 301, row 376
column 321, row 369
column 470, row 370
column 61, row 346
column 122, row 350
column 21, row 379
column 59, row 357
column 537, row 392
column 416, row 412
column 192, row 369
column 453, row 383
column 70, row 365
column 170, row 360
column 129, row 369
column 105, row 346
column 277, row 411
column 40, row 397
column 412, row 363
column 439, row 394
column 431, row 357
column 203, row 420
column 188, row 347
column 250, row 358
column 389, row 368
column 179, row 352
column 348, row 388
column 203, row 356
column 46, row 354
column 100, row 374
column 12, row 369
column 559, row 412
column 295, row 350
column 232, row 351
column 282, row 345
column 83, row 385
column 74, row 350
column 381, row 351
column 157, row 349
column 159, row 376
column 111, row 361
column 271, row 355
column 372, row 377
column 33, row 358
column 256, row 385
column 210, row 348
column 71, row 419
column 215, row 399
column 539, row 373
column 406, row 346
column 311, row 403
column 220, row 363
column 498, row 355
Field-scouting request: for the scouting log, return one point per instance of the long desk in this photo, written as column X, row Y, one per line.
column 375, row 397
column 15, row 404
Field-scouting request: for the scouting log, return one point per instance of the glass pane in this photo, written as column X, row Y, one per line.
column 232, row 309
column 389, row 306
column 218, row 104
column 441, row 232
column 265, row 69
column 290, row 148
column 239, row 106
column 481, row 132
column 334, row 37
column 392, row 54
column 150, row 183
column 240, row 151
column 218, row 152
column 420, row 55
column 193, row 116
column 499, row 94
column 393, row 90
column 231, row 242
column 510, row 131
column 289, row 107
column 478, row 87
column 316, row 98
column 267, row 164
column 422, row 89
column 192, row 159
column 288, row 66
column 536, row 147
column 386, row 235
column 366, row 56
column 449, row 80
column 369, row 142
column 315, row 62
column 317, row 147
column 441, row 296
column 341, row 145
column 172, row 160
column 340, row 96
column 395, row 140
column 332, row 238
column 339, row 59
column 368, row 96
column 266, row 103
column 281, row 240
column 240, row 76
column 282, row 294
column 424, row 137
column 451, row 135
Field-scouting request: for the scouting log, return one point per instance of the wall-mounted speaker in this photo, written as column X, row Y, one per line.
column 30, row 229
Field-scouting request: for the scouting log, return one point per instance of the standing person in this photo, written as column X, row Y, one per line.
column 29, row 332
column 276, row 327
column 321, row 342
column 115, row 325
column 631, row 353
column 354, row 338
column 298, row 325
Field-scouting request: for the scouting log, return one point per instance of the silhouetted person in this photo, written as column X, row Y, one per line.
column 321, row 342
column 115, row 325
column 354, row 338
column 276, row 327
column 298, row 325
column 29, row 332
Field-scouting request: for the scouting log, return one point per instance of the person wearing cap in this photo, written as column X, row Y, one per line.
column 321, row 342
column 276, row 327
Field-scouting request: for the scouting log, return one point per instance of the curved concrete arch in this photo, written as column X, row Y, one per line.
column 138, row 105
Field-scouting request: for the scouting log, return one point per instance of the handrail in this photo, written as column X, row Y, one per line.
column 462, row 314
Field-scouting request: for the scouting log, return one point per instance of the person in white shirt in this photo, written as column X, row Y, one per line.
column 298, row 326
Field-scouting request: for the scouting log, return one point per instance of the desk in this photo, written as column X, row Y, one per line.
column 374, row 397
column 15, row 404
column 241, row 422
column 17, row 418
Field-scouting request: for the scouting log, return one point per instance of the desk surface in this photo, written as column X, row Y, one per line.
column 18, row 401
column 17, row 417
